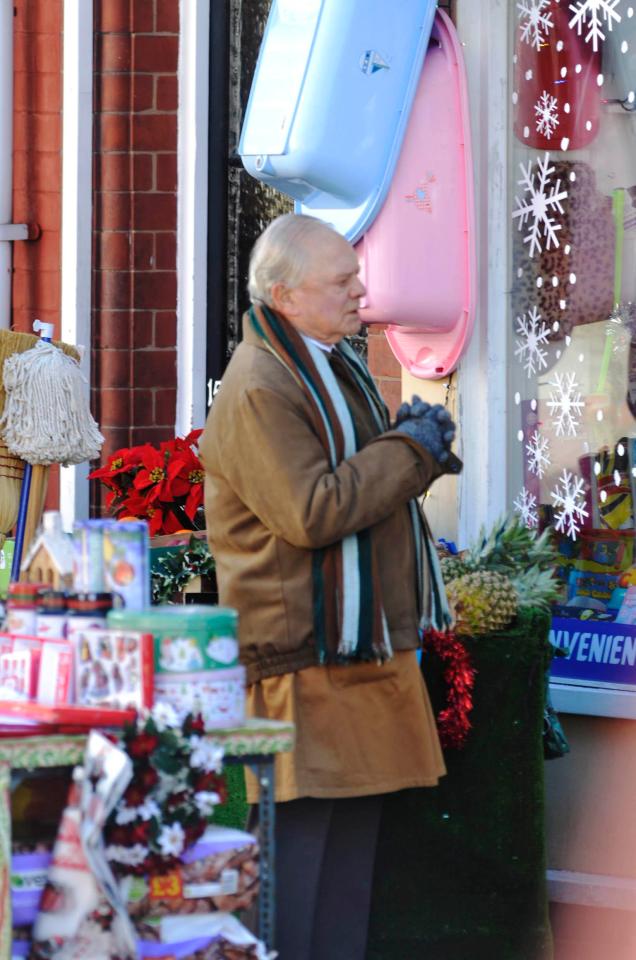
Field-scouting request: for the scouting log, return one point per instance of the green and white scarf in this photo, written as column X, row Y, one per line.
column 349, row 620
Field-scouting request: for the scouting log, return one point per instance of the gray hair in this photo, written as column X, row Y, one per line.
column 280, row 254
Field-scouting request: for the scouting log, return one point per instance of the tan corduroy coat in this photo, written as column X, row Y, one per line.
column 271, row 498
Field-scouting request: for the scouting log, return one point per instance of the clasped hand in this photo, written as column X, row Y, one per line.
column 430, row 426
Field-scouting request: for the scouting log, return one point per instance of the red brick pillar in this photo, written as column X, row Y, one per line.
column 135, row 217
column 37, row 170
column 385, row 368
column 37, row 161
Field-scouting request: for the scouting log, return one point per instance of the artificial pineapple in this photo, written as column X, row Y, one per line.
column 482, row 601
column 453, row 567
column 510, row 547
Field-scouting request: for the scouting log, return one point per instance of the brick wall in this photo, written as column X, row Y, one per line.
column 385, row 368
column 37, row 160
column 37, row 169
column 135, row 215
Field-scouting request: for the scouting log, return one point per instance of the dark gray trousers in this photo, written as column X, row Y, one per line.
column 325, row 850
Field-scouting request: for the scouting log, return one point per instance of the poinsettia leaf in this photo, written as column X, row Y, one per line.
column 165, row 760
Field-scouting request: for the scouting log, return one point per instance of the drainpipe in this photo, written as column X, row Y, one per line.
column 8, row 231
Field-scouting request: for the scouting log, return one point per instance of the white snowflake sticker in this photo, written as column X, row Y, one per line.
column 529, row 349
column 538, row 454
column 535, row 21
column 540, row 206
column 546, row 109
column 526, row 507
column 594, row 13
column 566, row 404
column 569, row 504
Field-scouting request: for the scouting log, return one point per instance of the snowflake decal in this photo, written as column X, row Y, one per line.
column 535, row 21
column 526, row 507
column 538, row 454
column 540, row 206
column 547, row 114
column 594, row 13
column 569, row 504
column 566, row 404
column 533, row 333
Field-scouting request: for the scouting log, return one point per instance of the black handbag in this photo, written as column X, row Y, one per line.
column 555, row 742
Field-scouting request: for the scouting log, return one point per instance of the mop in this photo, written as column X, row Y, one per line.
column 46, row 417
column 12, row 467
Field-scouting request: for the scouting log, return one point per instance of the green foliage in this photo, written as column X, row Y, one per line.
column 511, row 550
column 174, row 571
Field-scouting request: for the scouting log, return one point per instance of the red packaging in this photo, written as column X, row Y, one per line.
column 56, row 666
column 557, row 95
column 17, row 676
column 34, row 646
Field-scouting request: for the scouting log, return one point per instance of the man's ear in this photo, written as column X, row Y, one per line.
column 283, row 299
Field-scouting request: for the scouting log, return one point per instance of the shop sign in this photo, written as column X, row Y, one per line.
column 599, row 654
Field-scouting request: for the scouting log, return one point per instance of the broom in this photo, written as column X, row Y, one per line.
column 46, row 419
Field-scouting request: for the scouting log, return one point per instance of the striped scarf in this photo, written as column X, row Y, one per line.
column 349, row 620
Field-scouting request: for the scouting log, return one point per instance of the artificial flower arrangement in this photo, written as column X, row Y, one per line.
column 177, row 783
column 163, row 486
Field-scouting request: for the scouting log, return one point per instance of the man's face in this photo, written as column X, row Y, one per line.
column 325, row 304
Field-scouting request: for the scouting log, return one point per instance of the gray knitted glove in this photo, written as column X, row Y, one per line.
column 430, row 426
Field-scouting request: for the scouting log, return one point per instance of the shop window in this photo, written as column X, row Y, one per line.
column 572, row 339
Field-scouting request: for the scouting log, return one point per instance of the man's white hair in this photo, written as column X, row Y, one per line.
column 280, row 254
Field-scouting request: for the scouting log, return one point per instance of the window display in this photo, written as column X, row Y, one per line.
column 572, row 337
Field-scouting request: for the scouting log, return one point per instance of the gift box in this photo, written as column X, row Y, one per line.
column 195, row 659
column 114, row 668
column 55, row 673
column 18, row 675
column 113, row 556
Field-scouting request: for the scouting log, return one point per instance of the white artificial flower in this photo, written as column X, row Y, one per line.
column 171, row 840
column 132, row 856
column 148, row 810
column 125, row 814
column 206, row 754
column 206, row 801
column 164, row 716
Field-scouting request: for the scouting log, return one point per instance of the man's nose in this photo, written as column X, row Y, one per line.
column 358, row 289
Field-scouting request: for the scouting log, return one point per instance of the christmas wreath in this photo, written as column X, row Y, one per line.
column 173, row 572
column 177, row 783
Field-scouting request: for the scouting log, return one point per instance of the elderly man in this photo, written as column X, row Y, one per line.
column 321, row 547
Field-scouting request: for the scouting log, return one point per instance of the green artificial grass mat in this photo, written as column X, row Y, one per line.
column 233, row 813
column 460, row 868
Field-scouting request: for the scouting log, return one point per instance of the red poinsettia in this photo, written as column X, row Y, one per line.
column 163, row 486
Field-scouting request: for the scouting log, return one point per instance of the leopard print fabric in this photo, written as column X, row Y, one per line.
column 585, row 252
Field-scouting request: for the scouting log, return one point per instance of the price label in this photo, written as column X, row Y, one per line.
column 168, row 886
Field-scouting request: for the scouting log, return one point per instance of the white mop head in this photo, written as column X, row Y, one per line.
column 46, row 416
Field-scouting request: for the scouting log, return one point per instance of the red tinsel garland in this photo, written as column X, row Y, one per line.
column 453, row 721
